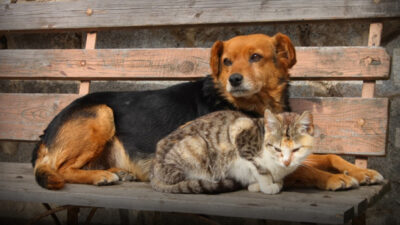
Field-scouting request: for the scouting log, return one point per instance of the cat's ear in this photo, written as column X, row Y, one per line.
column 271, row 123
column 304, row 123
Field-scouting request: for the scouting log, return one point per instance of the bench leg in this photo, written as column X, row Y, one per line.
column 72, row 216
column 360, row 220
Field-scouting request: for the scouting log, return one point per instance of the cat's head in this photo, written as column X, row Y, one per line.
column 288, row 137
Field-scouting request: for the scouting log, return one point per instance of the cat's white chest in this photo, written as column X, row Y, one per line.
column 277, row 171
column 242, row 171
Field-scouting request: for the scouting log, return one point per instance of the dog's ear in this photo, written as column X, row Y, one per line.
column 285, row 52
column 215, row 58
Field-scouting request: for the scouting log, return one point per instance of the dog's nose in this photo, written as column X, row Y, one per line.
column 235, row 79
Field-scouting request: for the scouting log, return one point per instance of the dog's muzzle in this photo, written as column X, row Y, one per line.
column 236, row 79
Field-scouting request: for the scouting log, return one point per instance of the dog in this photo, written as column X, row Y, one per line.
column 106, row 137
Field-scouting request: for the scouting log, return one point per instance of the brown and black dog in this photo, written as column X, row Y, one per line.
column 105, row 137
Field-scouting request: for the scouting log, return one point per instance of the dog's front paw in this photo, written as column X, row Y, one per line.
column 105, row 178
column 366, row 176
column 340, row 182
column 271, row 188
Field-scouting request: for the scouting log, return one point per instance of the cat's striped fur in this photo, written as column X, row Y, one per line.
column 226, row 150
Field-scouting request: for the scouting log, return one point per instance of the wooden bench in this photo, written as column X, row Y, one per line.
column 352, row 126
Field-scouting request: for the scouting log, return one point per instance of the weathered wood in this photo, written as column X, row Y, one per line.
column 307, row 205
column 25, row 116
column 361, row 161
column 375, row 34
column 92, row 14
column 91, row 40
column 72, row 216
column 355, row 63
column 84, row 86
column 345, row 125
column 368, row 91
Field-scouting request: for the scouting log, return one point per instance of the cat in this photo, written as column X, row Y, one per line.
column 228, row 150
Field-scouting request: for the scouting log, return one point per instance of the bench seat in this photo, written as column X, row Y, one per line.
column 303, row 205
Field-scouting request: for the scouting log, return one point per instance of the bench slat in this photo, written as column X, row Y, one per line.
column 344, row 125
column 25, row 116
column 356, row 63
column 136, row 13
column 356, row 126
column 17, row 183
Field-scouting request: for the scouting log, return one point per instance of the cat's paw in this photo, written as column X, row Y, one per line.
column 125, row 176
column 271, row 188
column 340, row 182
column 366, row 176
column 255, row 187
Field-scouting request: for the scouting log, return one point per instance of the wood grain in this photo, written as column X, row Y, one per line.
column 368, row 87
column 356, row 126
column 84, row 86
column 345, row 125
column 93, row 15
column 303, row 205
column 356, row 63
column 25, row 116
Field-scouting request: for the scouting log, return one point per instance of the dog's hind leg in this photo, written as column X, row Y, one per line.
column 80, row 141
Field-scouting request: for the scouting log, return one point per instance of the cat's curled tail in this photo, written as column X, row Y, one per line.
column 195, row 186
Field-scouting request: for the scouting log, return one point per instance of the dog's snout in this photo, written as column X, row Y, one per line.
column 236, row 79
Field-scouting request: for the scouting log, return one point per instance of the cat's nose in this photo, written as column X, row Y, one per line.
column 236, row 79
column 286, row 163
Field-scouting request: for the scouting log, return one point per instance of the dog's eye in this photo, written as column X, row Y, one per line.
column 227, row 62
column 255, row 57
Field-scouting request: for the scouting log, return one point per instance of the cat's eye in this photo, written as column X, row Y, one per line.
column 296, row 149
column 227, row 62
column 276, row 148
column 255, row 57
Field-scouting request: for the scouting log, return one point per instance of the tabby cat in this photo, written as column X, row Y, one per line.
column 226, row 150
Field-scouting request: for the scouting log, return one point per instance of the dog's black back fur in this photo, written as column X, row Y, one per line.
column 143, row 118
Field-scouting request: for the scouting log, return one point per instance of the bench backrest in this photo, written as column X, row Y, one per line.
column 356, row 126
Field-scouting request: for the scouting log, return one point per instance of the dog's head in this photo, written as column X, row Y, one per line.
column 247, row 68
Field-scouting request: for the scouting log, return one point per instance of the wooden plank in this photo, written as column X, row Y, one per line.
column 375, row 34
column 17, row 184
column 344, row 125
column 92, row 14
column 356, row 126
column 84, row 86
column 368, row 87
column 356, row 63
column 91, row 40
column 25, row 116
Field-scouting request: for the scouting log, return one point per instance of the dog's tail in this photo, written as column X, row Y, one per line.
column 48, row 178
column 45, row 175
column 195, row 186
